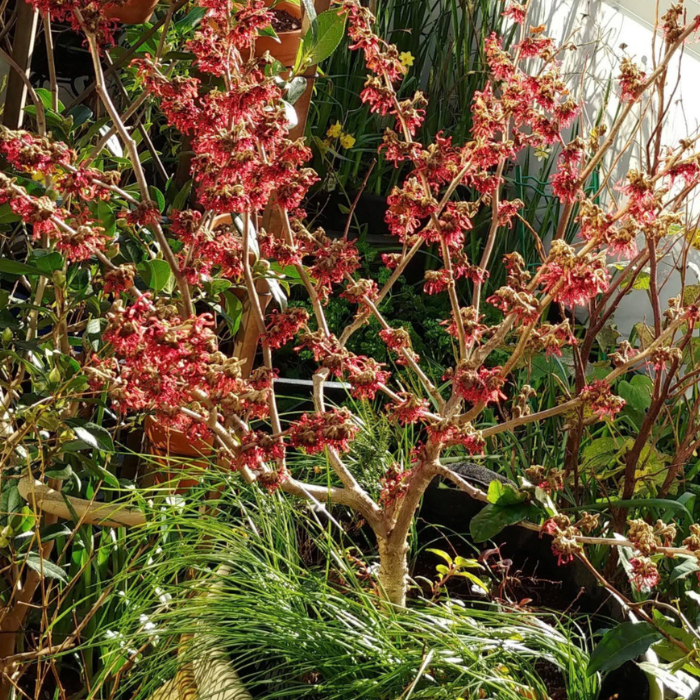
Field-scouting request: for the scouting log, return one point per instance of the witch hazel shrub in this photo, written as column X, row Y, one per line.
column 160, row 352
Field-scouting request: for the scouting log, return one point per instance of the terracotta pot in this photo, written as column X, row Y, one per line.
column 132, row 12
column 284, row 50
column 174, row 451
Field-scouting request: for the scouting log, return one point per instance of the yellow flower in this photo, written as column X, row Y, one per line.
column 406, row 58
column 347, row 140
column 335, row 130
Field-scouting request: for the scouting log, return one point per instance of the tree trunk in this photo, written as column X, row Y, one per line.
column 393, row 570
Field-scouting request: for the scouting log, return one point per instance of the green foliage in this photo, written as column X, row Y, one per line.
column 280, row 599
column 623, row 643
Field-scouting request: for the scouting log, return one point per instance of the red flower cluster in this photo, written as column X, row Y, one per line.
column 598, row 397
column 394, row 484
column 313, row 432
column 284, row 325
column 478, row 386
column 239, row 133
column 410, row 410
column 573, row 279
column 644, row 575
column 77, row 237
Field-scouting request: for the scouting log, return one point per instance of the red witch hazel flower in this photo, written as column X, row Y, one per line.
column 284, row 325
column 411, row 409
column 566, row 181
column 573, row 279
column 365, row 376
column 644, row 575
column 394, row 485
column 516, row 12
column 257, row 448
column 632, row 80
column 471, row 322
column 600, row 400
column 396, row 338
column 563, row 533
column 313, row 432
column 477, row 386
column 33, row 154
column 120, row 279
column 449, row 432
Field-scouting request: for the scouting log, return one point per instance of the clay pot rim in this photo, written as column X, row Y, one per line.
column 284, row 5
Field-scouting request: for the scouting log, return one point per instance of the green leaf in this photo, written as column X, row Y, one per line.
column 80, row 114
column 310, row 10
column 91, row 434
column 234, row 311
column 181, row 197
column 668, row 678
column 13, row 267
column 48, row 533
column 60, row 474
column 156, row 274
column 49, row 263
column 46, row 568
column 688, row 566
column 599, row 453
column 7, row 216
column 320, row 44
column 10, row 500
column 158, row 197
column 691, row 294
column 502, row 494
column 643, row 280
column 636, row 392
column 492, row 519
column 216, row 286
column 269, row 31
column 46, row 99
column 193, row 18
column 106, row 217
column 623, row 643
column 462, row 563
column 295, row 89
column 103, row 474
column 474, row 579
column 443, row 555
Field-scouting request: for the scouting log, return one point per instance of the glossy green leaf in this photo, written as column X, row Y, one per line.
column 320, row 44
column 46, row 568
column 13, row 267
column 156, row 274
column 91, row 434
column 502, row 494
column 492, row 519
column 623, row 643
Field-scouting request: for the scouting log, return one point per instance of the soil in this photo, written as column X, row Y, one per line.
column 282, row 21
column 553, row 678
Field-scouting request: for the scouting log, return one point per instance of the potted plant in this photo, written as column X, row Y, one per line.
column 286, row 23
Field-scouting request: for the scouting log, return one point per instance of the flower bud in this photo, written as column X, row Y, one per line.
column 54, row 376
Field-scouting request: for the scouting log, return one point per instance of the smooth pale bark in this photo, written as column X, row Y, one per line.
column 393, row 570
